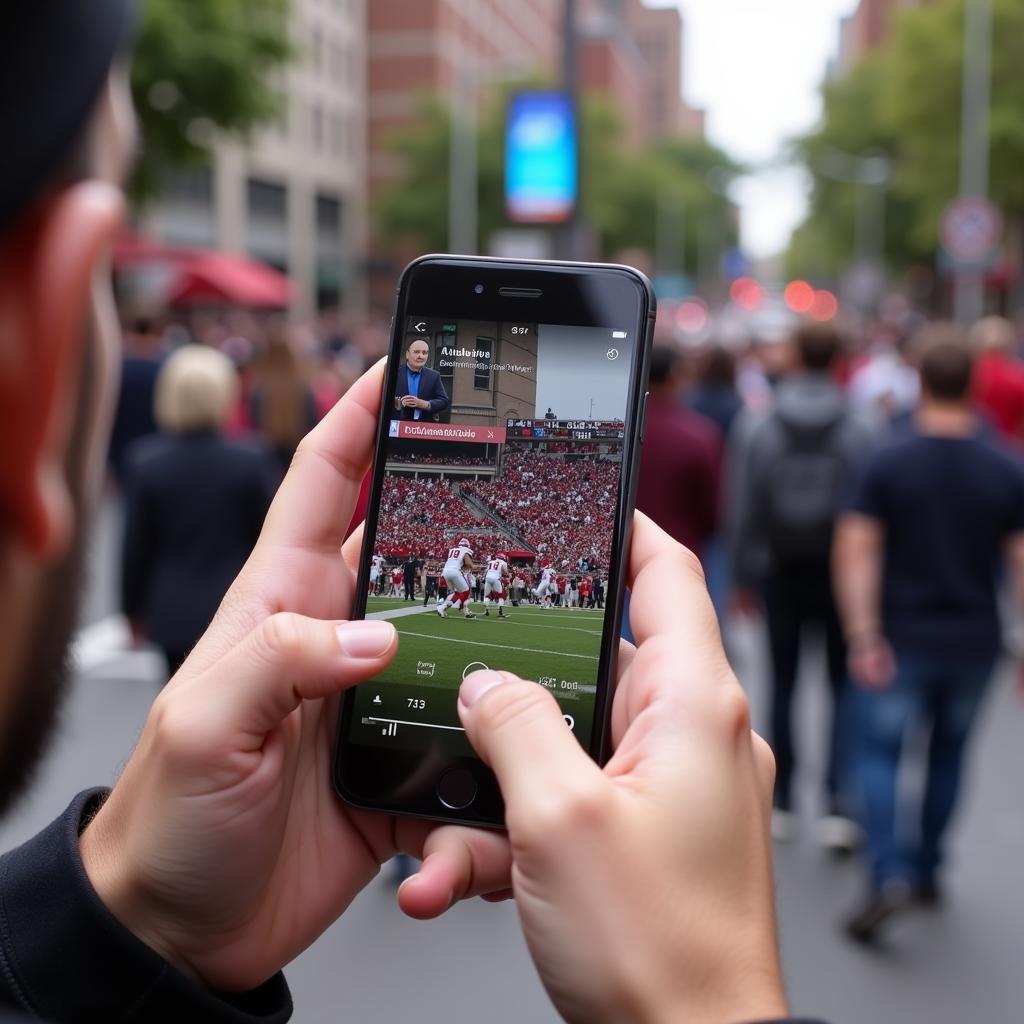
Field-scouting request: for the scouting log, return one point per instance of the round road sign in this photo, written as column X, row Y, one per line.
column 971, row 228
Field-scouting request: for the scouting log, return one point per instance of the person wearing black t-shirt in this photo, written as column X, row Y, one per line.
column 918, row 559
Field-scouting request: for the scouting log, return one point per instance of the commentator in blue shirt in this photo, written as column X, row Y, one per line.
column 419, row 393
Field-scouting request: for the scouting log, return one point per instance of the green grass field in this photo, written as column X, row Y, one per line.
column 559, row 648
column 379, row 604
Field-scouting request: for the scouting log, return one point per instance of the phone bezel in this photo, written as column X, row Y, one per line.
column 579, row 294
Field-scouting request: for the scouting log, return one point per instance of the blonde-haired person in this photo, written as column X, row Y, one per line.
column 195, row 503
column 998, row 375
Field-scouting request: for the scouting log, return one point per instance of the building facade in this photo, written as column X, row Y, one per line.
column 633, row 54
column 451, row 49
column 867, row 28
column 457, row 49
column 294, row 195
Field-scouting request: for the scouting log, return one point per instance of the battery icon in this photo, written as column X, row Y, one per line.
column 619, row 334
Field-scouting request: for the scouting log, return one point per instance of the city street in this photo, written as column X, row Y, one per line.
column 948, row 966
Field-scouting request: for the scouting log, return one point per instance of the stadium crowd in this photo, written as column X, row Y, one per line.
column 421, row 517
column 440, row 458
column 562, row 509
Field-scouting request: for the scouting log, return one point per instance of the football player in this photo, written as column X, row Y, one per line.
column 376, row 566
column 494, row 584
column 460, row 561
column 547, row 586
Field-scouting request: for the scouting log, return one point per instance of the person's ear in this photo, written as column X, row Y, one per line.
column 48, row 265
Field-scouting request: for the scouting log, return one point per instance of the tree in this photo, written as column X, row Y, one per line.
column 923, row 75
column 904, row 100
column 853, row 126
column 203, row 68
column 619, row 188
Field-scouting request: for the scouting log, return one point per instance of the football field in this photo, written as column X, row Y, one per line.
column 559, row 647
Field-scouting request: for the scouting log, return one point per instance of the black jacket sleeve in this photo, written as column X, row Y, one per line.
column 65, row 958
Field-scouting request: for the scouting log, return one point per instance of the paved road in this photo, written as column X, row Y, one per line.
column 961, row 964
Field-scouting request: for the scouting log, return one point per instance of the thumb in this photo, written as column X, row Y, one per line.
column 518, row 730
column 285, row 660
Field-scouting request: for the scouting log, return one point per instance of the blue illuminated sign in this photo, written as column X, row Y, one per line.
column 541, row 158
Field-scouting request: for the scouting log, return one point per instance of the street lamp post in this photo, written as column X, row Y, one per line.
column 969, row 295
column 870, row 172
column 568, row 236
column 463, row 186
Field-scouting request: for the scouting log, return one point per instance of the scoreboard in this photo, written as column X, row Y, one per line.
column 565, row 430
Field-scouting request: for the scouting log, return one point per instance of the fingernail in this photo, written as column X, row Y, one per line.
column 477, row 684
column 364, row 638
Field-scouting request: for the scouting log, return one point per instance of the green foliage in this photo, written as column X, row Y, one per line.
column 619, row 188
column 203, row 68
column 924, row 74
column 904, row 101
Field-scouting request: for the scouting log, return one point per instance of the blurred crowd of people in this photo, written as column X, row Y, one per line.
column 209, row 416
column 869, row 487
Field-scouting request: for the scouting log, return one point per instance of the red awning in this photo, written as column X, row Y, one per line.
column 219, row 278
column 132, row 249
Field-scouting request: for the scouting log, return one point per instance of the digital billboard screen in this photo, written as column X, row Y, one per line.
column 541, row 158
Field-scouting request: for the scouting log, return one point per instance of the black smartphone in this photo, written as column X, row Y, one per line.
column 499, row 515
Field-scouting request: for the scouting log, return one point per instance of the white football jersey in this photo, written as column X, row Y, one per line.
column 455, row 557
column 497, row 567
column 547, row 576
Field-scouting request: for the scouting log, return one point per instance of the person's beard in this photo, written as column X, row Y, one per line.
column 42, row 680
column 44, row 676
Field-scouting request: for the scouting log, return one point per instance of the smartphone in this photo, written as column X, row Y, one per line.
column 499, row 515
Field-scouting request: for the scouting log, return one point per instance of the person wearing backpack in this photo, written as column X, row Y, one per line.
column 790, row 472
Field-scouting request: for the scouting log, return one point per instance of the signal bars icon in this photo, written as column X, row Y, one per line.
column 391, row 729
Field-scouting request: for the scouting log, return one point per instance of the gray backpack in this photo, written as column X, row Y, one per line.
column 803, row 484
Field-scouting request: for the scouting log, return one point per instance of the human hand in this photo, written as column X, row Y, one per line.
column 222, row 845
column 644, row 889
column 412, row 402
column 871, row 662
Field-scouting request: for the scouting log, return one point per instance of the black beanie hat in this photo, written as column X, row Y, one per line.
column 55, row 57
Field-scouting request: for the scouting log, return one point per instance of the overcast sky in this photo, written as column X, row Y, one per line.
column 755, row 66
column 575, row 378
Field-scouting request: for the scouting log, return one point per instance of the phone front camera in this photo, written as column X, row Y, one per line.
column 479, row 289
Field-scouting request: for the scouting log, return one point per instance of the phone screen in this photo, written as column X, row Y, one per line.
column 493, row 537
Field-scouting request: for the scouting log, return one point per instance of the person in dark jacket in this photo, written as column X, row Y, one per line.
column 419, row 391
column 789, row 474
column 134, row 417
column 179, row 894
column 194, row 507
column 715, row 395
column 681, row 461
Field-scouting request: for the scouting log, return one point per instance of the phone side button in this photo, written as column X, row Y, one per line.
column 643, row 417
column 456, row 789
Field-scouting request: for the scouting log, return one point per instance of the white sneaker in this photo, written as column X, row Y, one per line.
column 441, row 612
column 837, row 834
column 783, row 825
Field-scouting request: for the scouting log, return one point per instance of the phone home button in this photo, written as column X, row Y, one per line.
column 456, row 789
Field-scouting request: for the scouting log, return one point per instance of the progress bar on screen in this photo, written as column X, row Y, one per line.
column 396, row 722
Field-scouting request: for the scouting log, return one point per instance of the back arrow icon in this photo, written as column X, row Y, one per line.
column 421, row 326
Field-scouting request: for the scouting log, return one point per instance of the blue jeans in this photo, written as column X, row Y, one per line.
column 945, row 693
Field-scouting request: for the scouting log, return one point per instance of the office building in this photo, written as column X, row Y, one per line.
column 294, row 195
